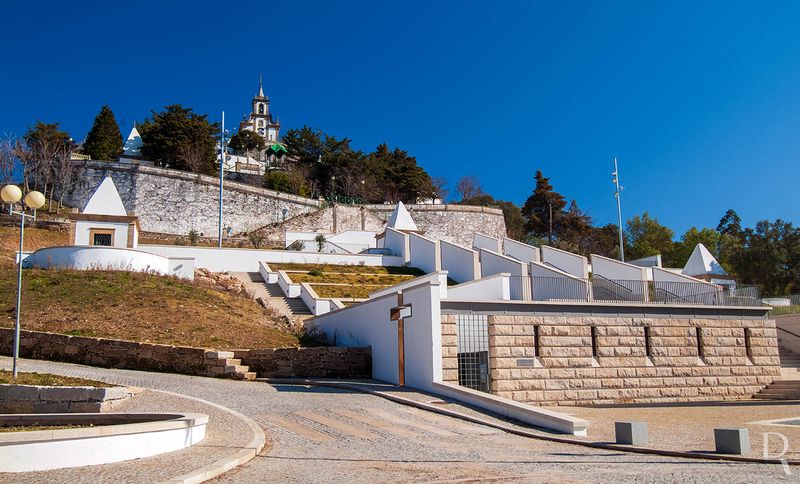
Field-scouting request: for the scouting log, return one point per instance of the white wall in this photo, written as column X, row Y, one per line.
column 650, row 261
column 460, row 263
column 313, row 302
column 494, row 263
column 548, row 284
column 106, row 258
column 369, row 324
column 82, row 228
column 439, row 278
column 627, row 280
column 678, row 288
column 355, row 237
column 424, row 253
column 246, row 260
column 396, row 242
column 480, row 241
column 522, row 252
column 495, row 287
column 574, row 264
column 289, row 288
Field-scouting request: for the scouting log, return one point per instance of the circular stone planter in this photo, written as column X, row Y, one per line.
column 114, row 438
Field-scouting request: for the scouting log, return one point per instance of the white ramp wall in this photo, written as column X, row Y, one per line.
column 618, row 280
column 520, row 251
column 677, row 288
column 492, row 288
column 494, row 263
column 460, row 263
column 396, row 242
column 573, row 264
column 480, row 241
column 369, row 324
column 424, row 253
column 548, row 284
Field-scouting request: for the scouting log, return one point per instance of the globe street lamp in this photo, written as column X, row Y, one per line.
column 12, row 194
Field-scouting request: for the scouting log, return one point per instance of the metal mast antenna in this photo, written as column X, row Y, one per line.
column 221, row 171
column 615, row 181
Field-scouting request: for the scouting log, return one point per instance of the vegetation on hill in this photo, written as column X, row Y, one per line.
column 104, row 140
column 181, row 139
column 35, row 238
column 346, row 269
column 137, row 307
column 48, row 380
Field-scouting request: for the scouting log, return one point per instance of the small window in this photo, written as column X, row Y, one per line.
column 101, row 237
column 536, row 348
column 648, row 342
column 594, row 341
column 260, row 109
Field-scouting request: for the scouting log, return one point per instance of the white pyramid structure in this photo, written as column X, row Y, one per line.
column 701, row 262
column 401, row 219
column 133, row 145
column 105, row 200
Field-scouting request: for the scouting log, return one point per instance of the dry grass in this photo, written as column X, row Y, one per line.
column 34, row 239
column 346, row 269
column 333, row 278
column 48, row 380
column 340, row 291
column 137, row 307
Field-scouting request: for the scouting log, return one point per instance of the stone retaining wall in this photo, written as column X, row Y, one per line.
column 318, row 362
column 565, row 373
column 60, row 399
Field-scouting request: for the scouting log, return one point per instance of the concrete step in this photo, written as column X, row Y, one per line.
column 763, row 396
column 785, row 384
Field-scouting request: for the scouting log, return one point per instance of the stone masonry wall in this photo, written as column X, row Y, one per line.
column 61, row 399
column 565, row 373
column 319, row 362
column 329, row 362
column 175, row 202
column 453, row 223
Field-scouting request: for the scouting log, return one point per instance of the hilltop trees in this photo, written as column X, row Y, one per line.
column 646, row 236
column 104, row 140
column 543, row 209
column 179, row 138
column 246, row 142
column 44, row 152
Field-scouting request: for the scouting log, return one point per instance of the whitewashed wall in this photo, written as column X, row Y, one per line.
column 424, row 253
column 369, row 324
column 480, row 241
column 520, row 251
column 549, row 284
column 103, row 258
column 574, row 264
column 460, row 262
column 397, row 243
column 246, row 260
column 439, row 278
column 624, row 280
column 492, row 288
column 82, row 228
column 494, row 263
column 677, row 288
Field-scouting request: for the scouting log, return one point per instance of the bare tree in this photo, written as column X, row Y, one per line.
column 194, row 156
column 8, row 158
column 440, row 188
column 469, row 187
column 299, row 175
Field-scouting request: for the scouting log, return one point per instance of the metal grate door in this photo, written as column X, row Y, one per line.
column 472, row 333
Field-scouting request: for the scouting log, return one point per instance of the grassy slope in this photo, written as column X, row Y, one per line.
column 48, row 380
column 137, row 307
column 34, row 239
column 346, row 269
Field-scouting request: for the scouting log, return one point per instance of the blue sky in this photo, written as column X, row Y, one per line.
column 699, row 100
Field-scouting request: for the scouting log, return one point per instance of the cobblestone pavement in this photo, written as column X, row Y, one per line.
column 331, row 435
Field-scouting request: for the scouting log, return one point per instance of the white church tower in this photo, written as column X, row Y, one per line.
column 260, row 120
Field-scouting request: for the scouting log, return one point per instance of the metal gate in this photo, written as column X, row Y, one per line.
column 472, row 333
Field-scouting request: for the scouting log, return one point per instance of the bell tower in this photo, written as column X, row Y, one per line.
column 260, row 120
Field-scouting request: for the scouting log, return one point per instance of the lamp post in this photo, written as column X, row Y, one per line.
column 615, row 181
column 333, row 188
column 12, row 194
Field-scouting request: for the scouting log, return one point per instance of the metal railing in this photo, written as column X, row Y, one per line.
column 601, row 289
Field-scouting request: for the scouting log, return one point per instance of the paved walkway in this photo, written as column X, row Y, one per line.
column 332, row 435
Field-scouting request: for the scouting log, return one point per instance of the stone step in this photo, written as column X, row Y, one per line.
column 775, row 396
column 785, row 384
column 233, row 361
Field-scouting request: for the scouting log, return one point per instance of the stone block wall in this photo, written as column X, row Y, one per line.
column 319, row 362
column 60, row 399
column 565, row 372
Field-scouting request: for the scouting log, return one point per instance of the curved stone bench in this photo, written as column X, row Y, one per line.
column 114, row 438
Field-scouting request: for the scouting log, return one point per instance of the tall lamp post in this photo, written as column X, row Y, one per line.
column 12, row 194
column 223, row 155
column 615, row 181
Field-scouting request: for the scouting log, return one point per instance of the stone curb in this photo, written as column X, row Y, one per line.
column 248, row 451
column 523, row 433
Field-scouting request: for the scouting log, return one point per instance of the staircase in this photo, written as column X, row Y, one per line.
column 222, row 364
column 273, row 296
column 788, row 386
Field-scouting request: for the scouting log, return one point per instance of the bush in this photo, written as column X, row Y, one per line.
column 315, row 272
column 194, row 237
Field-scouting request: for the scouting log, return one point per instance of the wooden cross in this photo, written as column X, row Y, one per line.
column 399, row 314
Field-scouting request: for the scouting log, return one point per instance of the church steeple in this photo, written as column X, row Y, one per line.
column 260, row 86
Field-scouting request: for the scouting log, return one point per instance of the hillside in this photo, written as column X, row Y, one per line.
column 139, row 307
column 35, row 238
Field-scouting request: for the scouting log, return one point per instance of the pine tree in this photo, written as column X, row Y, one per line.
column 543, row 209
column 104, row 141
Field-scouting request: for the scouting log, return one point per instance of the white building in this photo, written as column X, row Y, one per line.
column 104, row 221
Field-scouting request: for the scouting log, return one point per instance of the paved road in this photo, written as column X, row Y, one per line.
column 331, row 435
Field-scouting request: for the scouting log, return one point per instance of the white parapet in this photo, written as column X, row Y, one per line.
column 672, row 287
column 425, row 253
column 521, row 251
column 397, row 243
column 494, row 263
column 480, row 241
column 496, row 287
column 550, row 284
column 574, row 264
column 628, row 281
column 460, row 262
